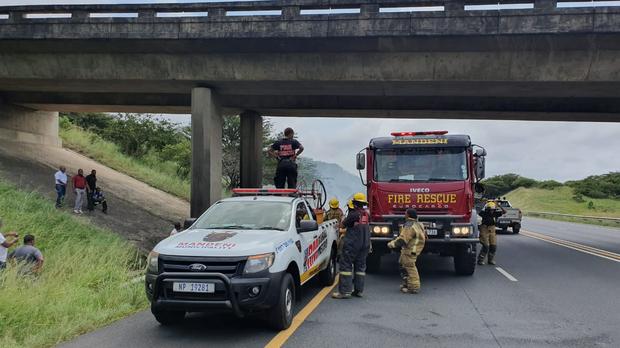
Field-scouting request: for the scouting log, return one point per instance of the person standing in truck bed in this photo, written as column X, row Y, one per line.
column 286, row 151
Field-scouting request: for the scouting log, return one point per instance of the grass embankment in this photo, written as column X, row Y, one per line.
column 84, row 282
column 151, row 170
column 560, row 200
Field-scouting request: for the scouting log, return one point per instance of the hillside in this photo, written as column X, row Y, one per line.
column 85, row 279
column 338, row 182
column 560, row 200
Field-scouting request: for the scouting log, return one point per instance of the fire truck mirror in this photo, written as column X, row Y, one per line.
column 361, row 161
column 478, row 187
column 480, row 168
column 481, row 152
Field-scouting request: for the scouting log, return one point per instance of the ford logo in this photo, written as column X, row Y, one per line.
column 197, row 267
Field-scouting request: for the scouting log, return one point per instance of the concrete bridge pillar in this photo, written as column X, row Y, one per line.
column 26, row 125
column 206, row 187
column 251, row 164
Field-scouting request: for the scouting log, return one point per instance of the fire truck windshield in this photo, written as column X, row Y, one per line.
column 420, row 164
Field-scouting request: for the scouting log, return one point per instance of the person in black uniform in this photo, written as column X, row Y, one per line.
column 355, row 249
column 91, row 185
column 286, row 151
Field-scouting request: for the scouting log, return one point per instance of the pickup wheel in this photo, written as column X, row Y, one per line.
column 280, row 316
column 328, row 275
column 168, row 318
column 465, row 260
column 516, row 229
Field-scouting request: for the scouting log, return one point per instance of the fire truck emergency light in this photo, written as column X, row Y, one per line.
column 412, row 134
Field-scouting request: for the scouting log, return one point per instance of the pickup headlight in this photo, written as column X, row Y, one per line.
column 461, row 231
column 152, row 262
column 259, row 263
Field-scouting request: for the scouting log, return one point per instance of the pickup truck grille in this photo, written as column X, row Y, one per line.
column 229, row 266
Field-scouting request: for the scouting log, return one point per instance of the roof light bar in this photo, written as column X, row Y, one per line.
column 413, row 134
column 264, row 192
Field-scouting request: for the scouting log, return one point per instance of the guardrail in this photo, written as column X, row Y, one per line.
column 582, row 217
column 285, row 9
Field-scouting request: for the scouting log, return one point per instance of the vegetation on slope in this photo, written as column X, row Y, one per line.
column 85, row 279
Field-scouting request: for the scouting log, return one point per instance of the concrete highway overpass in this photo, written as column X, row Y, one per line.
column 437, row 59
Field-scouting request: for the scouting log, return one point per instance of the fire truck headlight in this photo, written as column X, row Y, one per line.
column 461, row 231
column 376, row 229
column 385, row 230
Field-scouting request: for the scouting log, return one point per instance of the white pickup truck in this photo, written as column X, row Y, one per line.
column 248, row 253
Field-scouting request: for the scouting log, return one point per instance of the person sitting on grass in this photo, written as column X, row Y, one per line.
column 29, row 256
column 99, row 199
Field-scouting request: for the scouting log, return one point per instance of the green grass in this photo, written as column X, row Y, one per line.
column 151, row 170
column 84, row 282
column 560, row 200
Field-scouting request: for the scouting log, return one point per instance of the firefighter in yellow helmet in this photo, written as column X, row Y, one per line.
column 355, row 248
column 488, row 238
column 411, row 243
column 334, row 211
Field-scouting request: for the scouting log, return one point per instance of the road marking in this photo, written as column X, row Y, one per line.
column 283, row 336
column 506, row 274
column 608, row 255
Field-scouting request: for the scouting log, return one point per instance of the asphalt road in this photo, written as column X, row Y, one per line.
column 562, row 297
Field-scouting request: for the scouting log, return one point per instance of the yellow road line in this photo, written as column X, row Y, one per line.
column 575, row 246
column 284, row 335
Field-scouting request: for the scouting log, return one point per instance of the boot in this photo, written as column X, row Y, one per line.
column 337, row 295
column 358, row 294
column 491, row 259
column 481, row 258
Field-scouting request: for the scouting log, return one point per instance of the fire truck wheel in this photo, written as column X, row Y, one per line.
column 465, row 260
column 373, row 263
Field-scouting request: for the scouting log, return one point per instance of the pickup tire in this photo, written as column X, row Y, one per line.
column 168, row 318
column 328, row 275
column 465, row 260
column 516, row 229
column 280, row 316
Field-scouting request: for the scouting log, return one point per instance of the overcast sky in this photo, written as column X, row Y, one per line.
column 541, row 150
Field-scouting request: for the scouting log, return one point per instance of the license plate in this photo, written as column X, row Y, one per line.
column 193, row 287
column 431, row 232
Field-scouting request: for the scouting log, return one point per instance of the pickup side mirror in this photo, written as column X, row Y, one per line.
column 188, row 223
column 307, row 226
column 360, row 161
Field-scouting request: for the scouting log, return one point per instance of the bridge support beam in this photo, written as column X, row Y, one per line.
column 251, row 164
column 206, row 176
column 26, row 125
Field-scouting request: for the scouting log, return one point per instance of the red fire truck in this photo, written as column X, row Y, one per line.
column 435, row 173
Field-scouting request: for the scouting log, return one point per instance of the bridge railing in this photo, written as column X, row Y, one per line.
column 283, row 8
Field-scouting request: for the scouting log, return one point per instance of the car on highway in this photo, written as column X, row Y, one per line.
column 248, row 253
column 512, row 217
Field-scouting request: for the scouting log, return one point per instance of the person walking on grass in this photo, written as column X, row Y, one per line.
column 5, row 245
column 29, row 255
column 61, row 185
column 79, row 188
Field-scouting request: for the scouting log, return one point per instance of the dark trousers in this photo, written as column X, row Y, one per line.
column 61, row 190
column 103, row 203
column 286, row 173
column 89, row 199
column 352, row 271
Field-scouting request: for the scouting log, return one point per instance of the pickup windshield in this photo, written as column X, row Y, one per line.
column 247, row 215
column 421, row 164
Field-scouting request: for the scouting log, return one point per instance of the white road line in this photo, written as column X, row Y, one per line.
column 506, row 274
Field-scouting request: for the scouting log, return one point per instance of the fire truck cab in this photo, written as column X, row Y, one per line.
column 436, row 174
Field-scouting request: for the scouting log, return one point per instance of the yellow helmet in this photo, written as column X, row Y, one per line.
column 333, row 203
column 490, row 205
column 350, row 204
column 360, row 197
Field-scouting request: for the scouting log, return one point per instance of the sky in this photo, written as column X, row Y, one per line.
column 541, row 150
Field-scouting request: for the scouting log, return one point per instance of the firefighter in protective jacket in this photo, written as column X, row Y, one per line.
column 411, row 242
column 355, row 248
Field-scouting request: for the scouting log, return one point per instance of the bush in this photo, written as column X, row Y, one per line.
column 549, row 184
